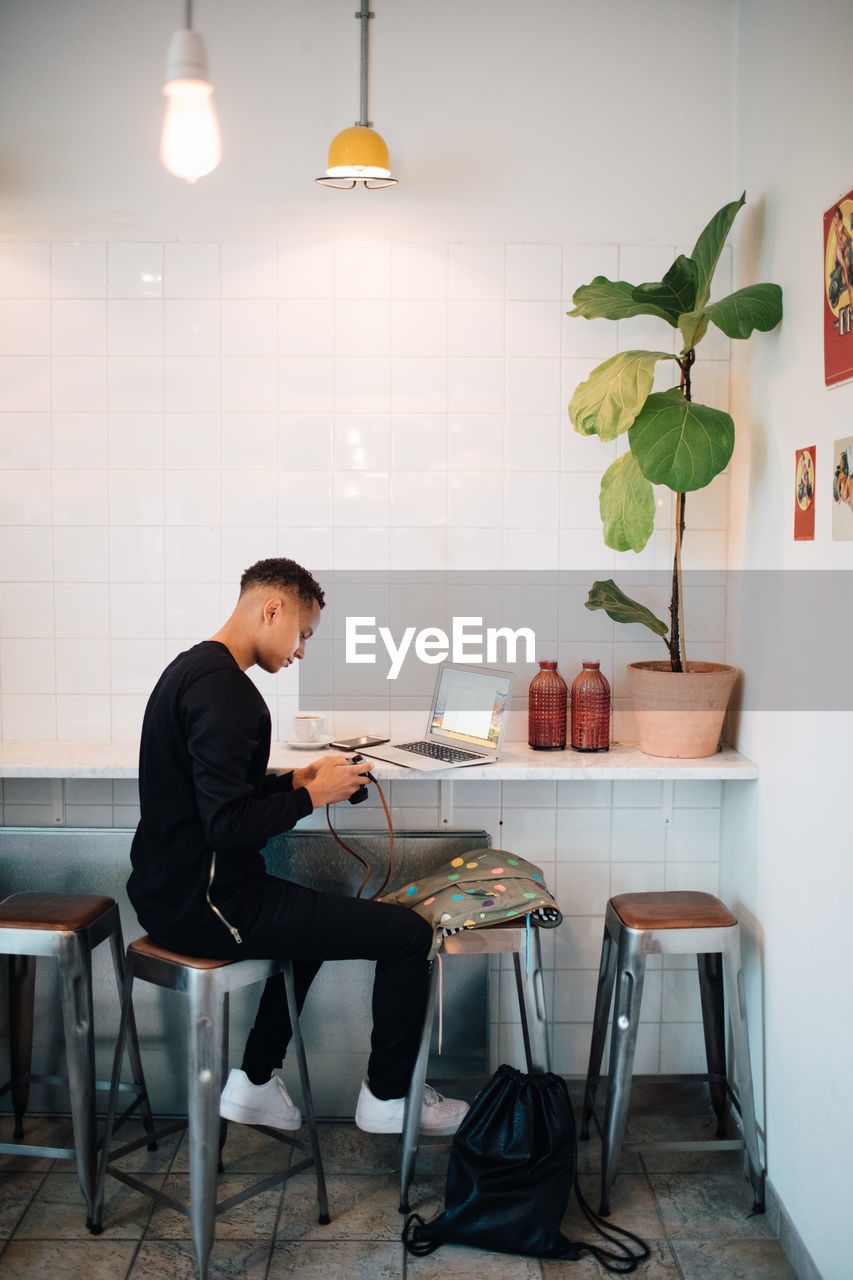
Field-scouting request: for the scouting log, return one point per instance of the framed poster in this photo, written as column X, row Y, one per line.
column 838, row 291
column 804, row 485
column 842, row 490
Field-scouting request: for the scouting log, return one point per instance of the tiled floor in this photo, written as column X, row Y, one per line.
column 693, row 1209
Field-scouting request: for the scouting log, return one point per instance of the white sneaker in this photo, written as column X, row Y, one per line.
column 248, row 1103
column 439, row 1115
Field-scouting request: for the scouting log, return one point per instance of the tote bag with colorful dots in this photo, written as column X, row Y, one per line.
column 483, row 887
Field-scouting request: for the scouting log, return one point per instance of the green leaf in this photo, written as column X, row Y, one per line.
column 680, row 443
column 674, row 294
column 614, row 393
column 621, row 608
column 611, row 300
column 692, row 325
column 709, row 246
column 627, row 505
column 758, row 306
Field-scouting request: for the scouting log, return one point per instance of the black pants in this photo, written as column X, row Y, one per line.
column 294, row 923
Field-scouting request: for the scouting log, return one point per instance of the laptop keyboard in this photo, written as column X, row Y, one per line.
column 435, row 751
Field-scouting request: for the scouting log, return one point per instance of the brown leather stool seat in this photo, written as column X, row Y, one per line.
column 679, row 922
column 678, row 909
column 71, row 911
column 66, row 926
column 146, row 946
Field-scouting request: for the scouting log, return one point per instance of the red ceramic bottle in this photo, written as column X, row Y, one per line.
column 546, row 709
column 590, row 710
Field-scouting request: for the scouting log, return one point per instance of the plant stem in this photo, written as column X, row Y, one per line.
column 673, row 644
column 680, row 504
column 678, row 642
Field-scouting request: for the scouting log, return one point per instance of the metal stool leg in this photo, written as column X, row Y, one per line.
column 226, row 1039
column 603, row 997
column 112, row 1104
column 710, row 969
column 531, row 1004
column 137, row 1075
column 415, row 1096
column 307, row 1100
column 22, row 981
column 206, row 1012
column 736, row 1000
column 75, row 976
column 626, row 1017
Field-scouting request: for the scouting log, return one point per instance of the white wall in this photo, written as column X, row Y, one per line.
column 173, row 412
column 553, row 121
column 193, row 376
column 786, row 863
column 182, row 369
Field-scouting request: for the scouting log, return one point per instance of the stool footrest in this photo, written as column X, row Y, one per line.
column 162, row 1197
column 62, row 1081
column 178, row 1126
column 702, row 1144
column 281, row 1135
column 118, row 1153
column 137, row 1184
column 46, row 1153
column 263, row 1184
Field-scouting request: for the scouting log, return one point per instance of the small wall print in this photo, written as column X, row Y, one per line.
column 842, row 490
column 838, row 291
column 804, row 482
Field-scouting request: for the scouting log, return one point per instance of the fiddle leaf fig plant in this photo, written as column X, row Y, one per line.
column 673, row 441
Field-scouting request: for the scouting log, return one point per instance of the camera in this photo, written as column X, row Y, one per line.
column 361, row 794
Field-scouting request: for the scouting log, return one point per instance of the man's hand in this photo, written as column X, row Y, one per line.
column 331, row 779
column 301, row 777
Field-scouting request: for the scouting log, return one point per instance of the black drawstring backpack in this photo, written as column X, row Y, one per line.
column 513, row 1165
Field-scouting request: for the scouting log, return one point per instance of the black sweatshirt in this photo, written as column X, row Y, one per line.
column 204, row 788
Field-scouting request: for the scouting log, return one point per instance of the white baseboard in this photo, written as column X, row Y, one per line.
column 789, row 1237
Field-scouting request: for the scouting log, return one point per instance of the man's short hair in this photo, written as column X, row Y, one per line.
column 280, row 574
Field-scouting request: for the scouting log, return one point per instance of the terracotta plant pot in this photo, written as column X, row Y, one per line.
column 680, row 714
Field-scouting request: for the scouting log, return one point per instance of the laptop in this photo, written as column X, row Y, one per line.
column 466, row 723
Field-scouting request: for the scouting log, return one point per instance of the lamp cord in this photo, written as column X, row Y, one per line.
column 189, row 17
column 364, row 15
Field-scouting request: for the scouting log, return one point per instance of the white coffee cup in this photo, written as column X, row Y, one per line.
column 308, row 727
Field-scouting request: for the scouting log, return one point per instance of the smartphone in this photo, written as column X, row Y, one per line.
column 353, row 744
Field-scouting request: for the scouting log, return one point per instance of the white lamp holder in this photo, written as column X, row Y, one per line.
column 186, row 58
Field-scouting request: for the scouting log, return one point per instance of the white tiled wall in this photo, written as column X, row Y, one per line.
column 170, row 413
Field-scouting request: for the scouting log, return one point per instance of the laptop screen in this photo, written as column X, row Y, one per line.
column 471, row 707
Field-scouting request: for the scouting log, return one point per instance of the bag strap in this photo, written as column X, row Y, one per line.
column 622, row 1262
column 418, row 1248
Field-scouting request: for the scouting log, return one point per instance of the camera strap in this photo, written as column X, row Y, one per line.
column 358, row 856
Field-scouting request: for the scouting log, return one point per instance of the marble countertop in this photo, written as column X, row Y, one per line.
column 52, row 759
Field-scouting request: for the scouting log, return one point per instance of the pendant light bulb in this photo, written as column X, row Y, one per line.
column 190, row 144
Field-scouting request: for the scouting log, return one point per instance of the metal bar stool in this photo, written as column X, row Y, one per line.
column 672, row 923
column 511, row 937
column 67, row 926
column 207, row 984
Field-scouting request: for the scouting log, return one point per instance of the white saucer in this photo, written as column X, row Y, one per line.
column 298, row 745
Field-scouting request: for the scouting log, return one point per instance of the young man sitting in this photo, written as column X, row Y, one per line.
column 199, row 882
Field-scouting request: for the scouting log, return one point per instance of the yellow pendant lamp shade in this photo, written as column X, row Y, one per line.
column 358, row 154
